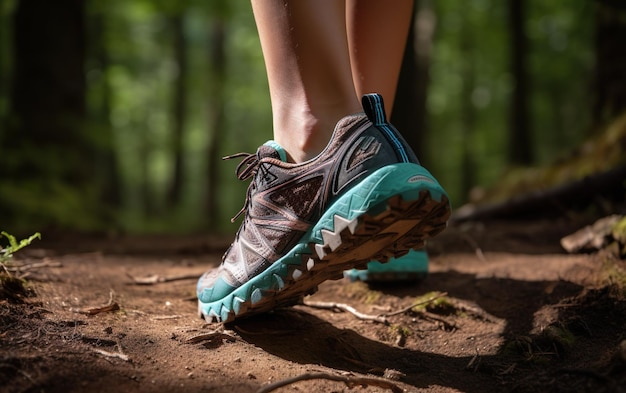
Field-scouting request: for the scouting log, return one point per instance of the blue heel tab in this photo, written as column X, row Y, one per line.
column 374, row 108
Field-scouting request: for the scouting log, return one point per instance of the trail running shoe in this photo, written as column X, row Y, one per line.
column 365, row 197
column 407, row 268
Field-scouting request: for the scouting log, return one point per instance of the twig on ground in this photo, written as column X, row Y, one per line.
column 98, row 310
column 111, row 306
column 162, row 317
column 350, row 381
column 32, row 266
column 346, row 308
column 156, row 279
column 118, row 355
column 409, row 308
column 477, row 250
column 447, row 326
column 218, row 333
column 138, row 312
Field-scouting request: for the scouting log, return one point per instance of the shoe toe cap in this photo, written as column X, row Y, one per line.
column 212, row 287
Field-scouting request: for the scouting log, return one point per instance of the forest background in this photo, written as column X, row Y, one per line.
column 114, row 115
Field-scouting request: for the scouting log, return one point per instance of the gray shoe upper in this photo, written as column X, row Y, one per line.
column 284, row 199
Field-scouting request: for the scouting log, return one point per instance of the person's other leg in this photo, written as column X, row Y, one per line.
column 360, row 199
column 308, row 67
column 377, row 32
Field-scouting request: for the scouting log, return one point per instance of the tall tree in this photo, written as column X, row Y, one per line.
column 217, row 59
column 4, row 66
column 519, row 144
column 467, row 109
column 179, row 106
column 98, row 54
column 610, row 77
column 45, row 144
column 410, row 113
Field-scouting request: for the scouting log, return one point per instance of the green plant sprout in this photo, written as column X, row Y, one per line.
column 7, row 253
column 12, row 288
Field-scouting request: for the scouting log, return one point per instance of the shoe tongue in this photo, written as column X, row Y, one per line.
column 273, row 150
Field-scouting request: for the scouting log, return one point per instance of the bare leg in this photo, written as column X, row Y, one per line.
column 308, row 66
column 377, row 33
column 310, row 72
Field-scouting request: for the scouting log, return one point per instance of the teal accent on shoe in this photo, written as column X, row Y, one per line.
column 405, row 179
column 410, row 267
column 281, row 151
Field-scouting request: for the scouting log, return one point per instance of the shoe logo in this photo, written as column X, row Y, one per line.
column 416, row 178
column 367, row 148
column 266, row 175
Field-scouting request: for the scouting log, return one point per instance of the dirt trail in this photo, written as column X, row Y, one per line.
column 513, row 313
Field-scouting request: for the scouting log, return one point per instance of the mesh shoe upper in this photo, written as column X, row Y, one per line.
column 284, row 200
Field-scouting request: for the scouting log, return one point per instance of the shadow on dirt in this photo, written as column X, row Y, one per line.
column 515, row 301
column 300, row 337
column 592, row 323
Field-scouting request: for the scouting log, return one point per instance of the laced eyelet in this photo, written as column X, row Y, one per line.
column 246, row 169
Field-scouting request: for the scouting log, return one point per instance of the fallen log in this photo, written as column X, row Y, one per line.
column 551, row 201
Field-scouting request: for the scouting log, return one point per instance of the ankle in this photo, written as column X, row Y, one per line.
column 304, row 134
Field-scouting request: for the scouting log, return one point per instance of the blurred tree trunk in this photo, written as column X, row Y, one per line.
column 48, row 96
column 4, row 66
column 610, row 70
column 45, row 143
column 410, row 112
column 519, row 145
column 179, row 108
column 216, row 121
column 468, row 112
column 108, row 169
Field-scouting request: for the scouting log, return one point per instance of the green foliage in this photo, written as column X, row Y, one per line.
column 131, row 70
column 471, row 83
column 51, row 202
column 13, row 288
column 6, row 253
column 140, row 77
column 435, row 302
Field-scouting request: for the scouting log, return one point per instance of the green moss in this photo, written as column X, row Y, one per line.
column 401, row 330
column 600, row 153
column 440, row 304
column 560, row 335
column 363, row 293
column 619, row 231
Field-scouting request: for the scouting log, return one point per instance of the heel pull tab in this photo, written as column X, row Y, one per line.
column 374, row 108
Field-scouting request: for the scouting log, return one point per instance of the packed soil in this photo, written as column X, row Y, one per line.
column 503, row 309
